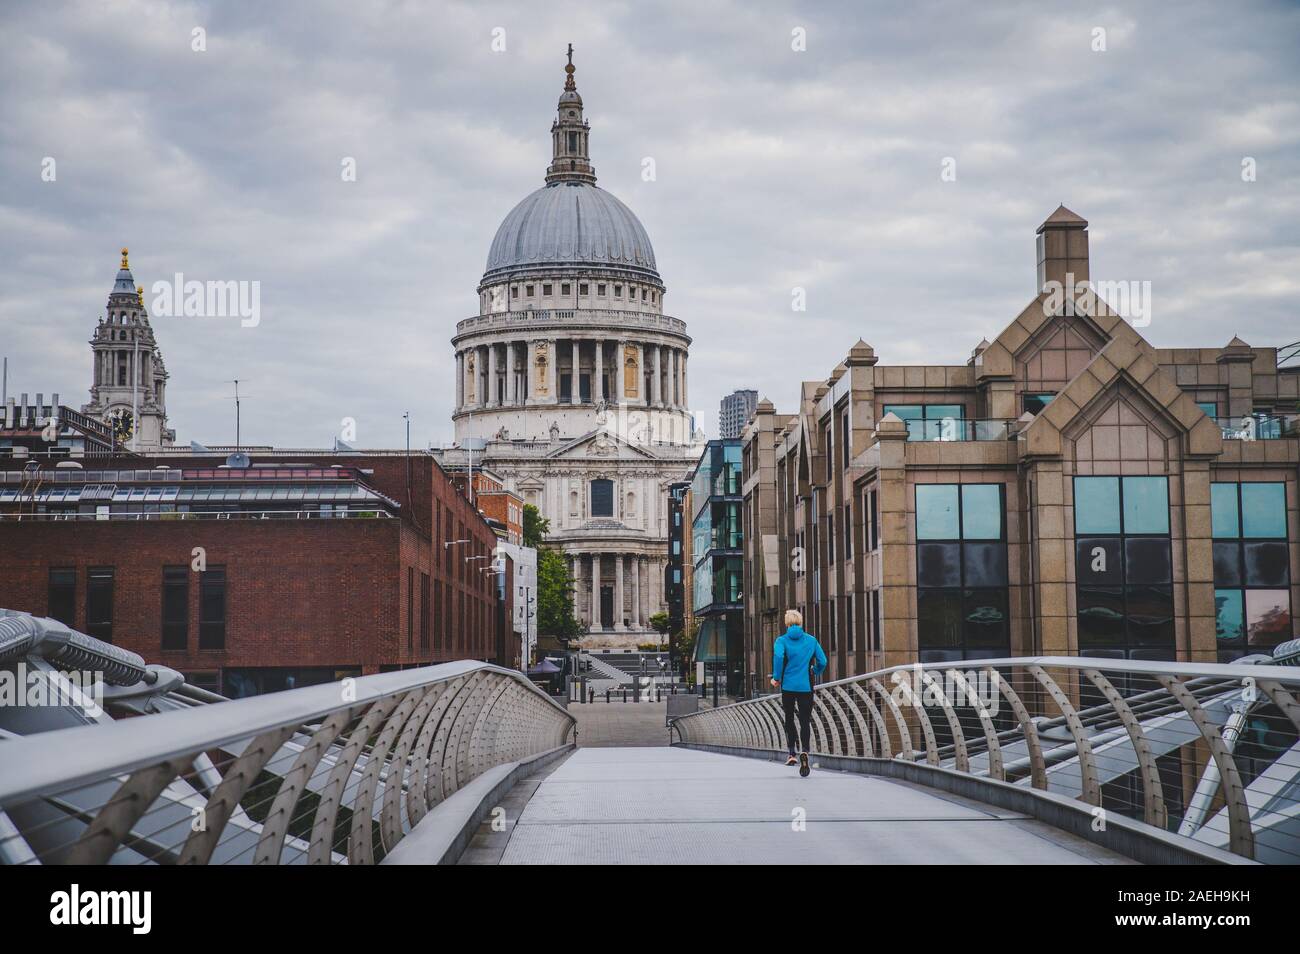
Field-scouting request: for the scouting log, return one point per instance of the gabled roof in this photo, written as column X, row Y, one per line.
column 1122, row 360
column 566, row 449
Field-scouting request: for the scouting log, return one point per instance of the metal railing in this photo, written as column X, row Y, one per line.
column 1259, row 427
column 960, row 429
column 329, row 774
column 1210, row 752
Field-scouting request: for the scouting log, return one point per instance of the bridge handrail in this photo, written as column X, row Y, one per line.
column 393, row 745
column 1074, row 725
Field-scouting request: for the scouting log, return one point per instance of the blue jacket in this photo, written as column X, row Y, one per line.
column 793, row 651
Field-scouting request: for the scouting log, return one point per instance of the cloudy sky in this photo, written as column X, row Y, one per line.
column 776, row 169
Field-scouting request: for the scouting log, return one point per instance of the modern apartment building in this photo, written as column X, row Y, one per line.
column 1069, row 490
column 736, row 409
column 716, row 594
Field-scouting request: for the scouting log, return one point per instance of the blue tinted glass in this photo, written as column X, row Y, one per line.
column 937, row 412
column 1146, row 505
column 1209, row 408
column 1228, row 613
column 1096, row 504
column 905, row 412
column 981, row 511
column 1223, row 510
column 936, row 512
column 1263, row 510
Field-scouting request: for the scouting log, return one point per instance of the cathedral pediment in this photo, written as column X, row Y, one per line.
column 599, row 445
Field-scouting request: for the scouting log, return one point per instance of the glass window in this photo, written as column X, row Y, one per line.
column 602, row 498
column 938, row 618
column 1098, row 561
column 985, row 619
column 1229, row 608
column 981, row 511
column 1034, row 403
column 62, row 595
column 1101, row 617
column 1263, row 510
column 1209, row 409
column 175, row 607
column 1268, row 617
column 1147, row 560
column 938, row 564
column 1267, row 564
column 985, row 564
column 1223, row 510
column 936, row 512
column 212, row 608
column 1146, row 505
column 1096, row 505
column 99, row 603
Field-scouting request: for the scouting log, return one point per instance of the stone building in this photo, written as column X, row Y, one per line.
column 128, row 388
column 1069, row 490
column 736, row 408
column 575, row 377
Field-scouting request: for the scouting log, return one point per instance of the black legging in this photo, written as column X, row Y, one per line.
column 805, row 703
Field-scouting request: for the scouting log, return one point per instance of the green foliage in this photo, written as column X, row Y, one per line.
column 536, row 527
column 555, row 596
column 659, row 623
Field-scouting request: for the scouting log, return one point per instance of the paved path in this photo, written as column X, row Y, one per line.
column 678, row 806
column 620, row 723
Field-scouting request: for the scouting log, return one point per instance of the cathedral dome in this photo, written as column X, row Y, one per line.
column 567, row 224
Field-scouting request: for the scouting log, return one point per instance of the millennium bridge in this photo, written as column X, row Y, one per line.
column 1028, row 760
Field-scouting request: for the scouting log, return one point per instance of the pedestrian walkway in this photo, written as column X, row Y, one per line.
column 680, row 806
column 620, row 723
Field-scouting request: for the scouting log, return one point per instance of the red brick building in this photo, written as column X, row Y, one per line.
column 296, row 570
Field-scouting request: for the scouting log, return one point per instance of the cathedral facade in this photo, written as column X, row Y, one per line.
column 128, row 388
column 571, row 381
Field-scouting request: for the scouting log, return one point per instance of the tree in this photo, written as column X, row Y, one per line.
column 555, row 597
column 536, row 527
column 659, row 623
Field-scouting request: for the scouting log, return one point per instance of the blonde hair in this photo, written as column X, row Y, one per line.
column 793, row 618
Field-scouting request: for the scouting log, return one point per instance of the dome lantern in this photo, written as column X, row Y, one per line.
column 570, row 155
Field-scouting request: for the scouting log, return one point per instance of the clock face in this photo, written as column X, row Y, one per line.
column 122, row 423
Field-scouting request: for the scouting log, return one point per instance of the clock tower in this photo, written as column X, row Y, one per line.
column 129, row 385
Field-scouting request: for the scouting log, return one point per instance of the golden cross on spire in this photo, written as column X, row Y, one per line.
column 570, row 54
column 124, row 264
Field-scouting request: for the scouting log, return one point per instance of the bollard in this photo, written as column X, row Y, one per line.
column 607, row 695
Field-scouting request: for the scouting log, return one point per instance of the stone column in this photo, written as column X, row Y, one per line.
column 481, row 377
column 575, row 561
column 618, row 593
column 510, row 373
column 637, row 619
column 492, row 376
column 673, row 397
column 642, row 396
column 598, row 385
column 685, row 400
column 656, row 385
column 595, row 591
column 552, row 369
column 575, row 391
column 460, row 379
column 620, row 390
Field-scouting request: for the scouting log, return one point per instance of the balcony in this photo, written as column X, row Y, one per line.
column 559, row 318
column 958, row 429
column 1259, row 427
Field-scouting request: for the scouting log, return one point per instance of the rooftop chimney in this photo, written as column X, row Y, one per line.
column 1062, row 249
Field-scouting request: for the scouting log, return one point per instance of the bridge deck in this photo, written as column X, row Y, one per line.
column 679, row 806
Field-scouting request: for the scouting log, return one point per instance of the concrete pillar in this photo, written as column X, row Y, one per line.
column 510, row 373
column 595, row 591
column 618, row 593
column 492, row 376
column 598, row 386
